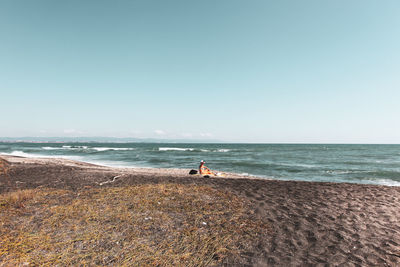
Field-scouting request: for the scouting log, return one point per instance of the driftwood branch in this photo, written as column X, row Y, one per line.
column 111, row 181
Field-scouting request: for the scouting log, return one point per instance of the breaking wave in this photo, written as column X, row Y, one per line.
column 51, row 148
column 19, row 153
column 112, row 148
column 174, row 149
column 372, row 164
column 192, row 149
column 99, row 149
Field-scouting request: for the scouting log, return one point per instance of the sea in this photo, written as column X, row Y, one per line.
column 365, row 164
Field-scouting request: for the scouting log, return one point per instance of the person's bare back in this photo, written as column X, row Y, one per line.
column 203, row 170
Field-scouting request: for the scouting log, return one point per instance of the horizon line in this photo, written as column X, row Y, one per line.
column 160, row 140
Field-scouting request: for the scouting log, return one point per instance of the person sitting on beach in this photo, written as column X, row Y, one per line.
column 203, row 170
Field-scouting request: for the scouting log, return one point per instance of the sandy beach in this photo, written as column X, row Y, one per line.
column 310, row 224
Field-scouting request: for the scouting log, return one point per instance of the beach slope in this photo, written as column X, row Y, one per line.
column 277, row 223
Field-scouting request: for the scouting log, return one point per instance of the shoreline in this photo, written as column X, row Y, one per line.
column 311, row 222
column 126, row 170
column 176, row 171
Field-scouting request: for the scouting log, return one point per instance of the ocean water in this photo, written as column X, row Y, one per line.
column 369, row 164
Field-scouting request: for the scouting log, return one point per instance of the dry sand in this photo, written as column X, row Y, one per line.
column 313, row 224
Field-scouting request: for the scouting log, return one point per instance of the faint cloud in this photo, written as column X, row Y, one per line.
column 187, row 135
column 72, row 131
column 205, row 134
column 160, row 132
column 69, row 131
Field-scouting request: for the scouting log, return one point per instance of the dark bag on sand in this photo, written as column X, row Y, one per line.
column 193, row 172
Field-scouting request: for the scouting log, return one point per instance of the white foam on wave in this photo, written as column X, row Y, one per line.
column 75, row 147
column 19, row 153
column 112, row 148
column 387, row 182
column 51, row 148
column 64, row 147
column 118, row 164
column 113, row 164
column 302, row 165
column 191, row 149
column 345, row 172
column 174, row 149
column 86, row 147
column 223, row 150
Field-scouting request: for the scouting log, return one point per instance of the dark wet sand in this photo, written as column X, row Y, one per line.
column 313, row 224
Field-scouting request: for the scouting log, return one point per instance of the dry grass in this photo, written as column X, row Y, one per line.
column 15, row 200
column 4, row 170
column 153, row 225
column 4, row 167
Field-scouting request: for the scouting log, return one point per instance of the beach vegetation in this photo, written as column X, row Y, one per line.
column 16, row 199
column 4, row 167
column 143, row 225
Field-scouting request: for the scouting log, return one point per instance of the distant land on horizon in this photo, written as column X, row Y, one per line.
column 100, row 139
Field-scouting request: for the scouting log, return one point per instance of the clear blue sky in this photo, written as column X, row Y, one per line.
column 246, row 71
